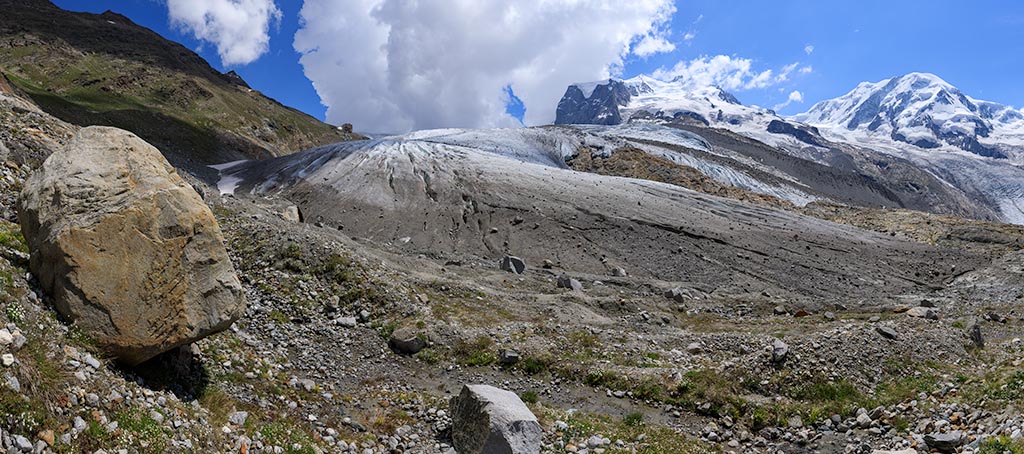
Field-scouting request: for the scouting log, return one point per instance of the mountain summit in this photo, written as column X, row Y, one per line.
column 615, row 101
column 923, row 110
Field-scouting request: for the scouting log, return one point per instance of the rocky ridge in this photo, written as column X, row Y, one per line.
column 103, row 69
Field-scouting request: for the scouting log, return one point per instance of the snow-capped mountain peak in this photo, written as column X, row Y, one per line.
column 922, row 110
column 648, row 99
column 615, row 101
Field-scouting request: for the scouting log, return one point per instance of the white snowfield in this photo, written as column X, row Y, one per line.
column 511, row 148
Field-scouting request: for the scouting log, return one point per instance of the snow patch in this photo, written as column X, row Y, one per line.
column 227, row 184
column 588, row 87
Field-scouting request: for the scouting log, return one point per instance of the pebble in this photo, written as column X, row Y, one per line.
column 79, row 424
column 22, row 443
column 19, row 340
column 238, row 418
column 14, row 384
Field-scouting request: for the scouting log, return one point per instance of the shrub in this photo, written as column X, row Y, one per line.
column 1001, row 445
column 475, row 352
column 633, row 419
column 533, row 365
column 529, row 397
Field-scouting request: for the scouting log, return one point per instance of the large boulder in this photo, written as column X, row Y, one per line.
column 126, row 247
column 923, row 312
column 489, row 420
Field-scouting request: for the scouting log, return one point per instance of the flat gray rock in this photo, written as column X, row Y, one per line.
column 945, row 442
column 887, row 332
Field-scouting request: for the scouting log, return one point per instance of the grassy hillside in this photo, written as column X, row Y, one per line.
column 90, row 69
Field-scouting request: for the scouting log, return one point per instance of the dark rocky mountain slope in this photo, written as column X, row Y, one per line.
column 90, row 69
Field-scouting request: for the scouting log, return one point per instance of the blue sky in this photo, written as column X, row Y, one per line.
column 975, row 46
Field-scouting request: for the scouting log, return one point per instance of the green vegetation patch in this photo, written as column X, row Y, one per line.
column 657, row 439
column 1001, row 445
column 478, row 351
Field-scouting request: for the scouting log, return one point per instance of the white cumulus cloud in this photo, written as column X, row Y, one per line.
column 730, row 73
column 809, row 49
column 786, row 70
column 806, row 69
column 794, row 97
column 650, row 45
column 240, row 29
column 396, row 65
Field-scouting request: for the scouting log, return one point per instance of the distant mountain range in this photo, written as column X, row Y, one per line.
column 916, row 121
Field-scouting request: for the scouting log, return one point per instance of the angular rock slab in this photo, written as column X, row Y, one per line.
column 489, row 420
column 569, row 283
column 945, row 442
column 126, row 248
column 513, row 264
